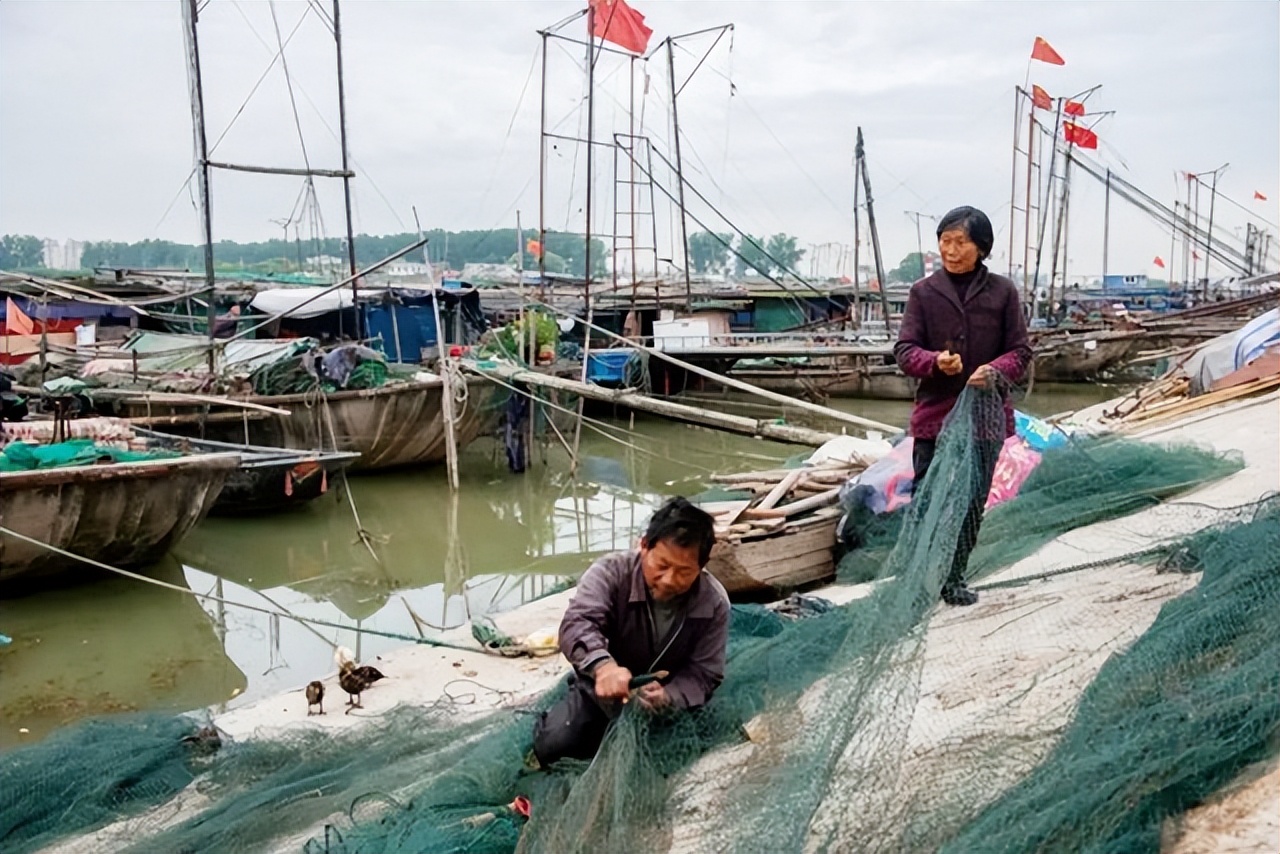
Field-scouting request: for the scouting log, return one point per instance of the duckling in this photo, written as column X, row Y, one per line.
column 353, row 679
column 315, row 697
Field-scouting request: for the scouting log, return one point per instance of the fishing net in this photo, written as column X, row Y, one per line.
column 1076, row 714
column 1088, row 480
column 24, row 456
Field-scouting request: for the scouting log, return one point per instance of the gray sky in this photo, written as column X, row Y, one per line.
column 443, row 102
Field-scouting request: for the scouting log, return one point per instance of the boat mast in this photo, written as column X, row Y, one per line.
column 190, row 12
column 346, row 177
column 860, row 154
column 684, row 224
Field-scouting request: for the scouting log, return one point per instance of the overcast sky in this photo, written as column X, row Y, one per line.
column 443, row 111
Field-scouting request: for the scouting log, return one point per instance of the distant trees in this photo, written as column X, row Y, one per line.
column 565, row 252
column 709, row 253
column 910, row 270
column 21, row 250
column 768, row 256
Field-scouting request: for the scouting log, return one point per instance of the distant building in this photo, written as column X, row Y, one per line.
column 62, row 256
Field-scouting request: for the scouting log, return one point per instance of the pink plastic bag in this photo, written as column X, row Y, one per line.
column 1017, row 460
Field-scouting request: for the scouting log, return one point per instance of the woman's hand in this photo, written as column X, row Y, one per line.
column 984, row 377
column 950, row 363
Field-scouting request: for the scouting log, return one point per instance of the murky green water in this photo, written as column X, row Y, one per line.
column 116, row 644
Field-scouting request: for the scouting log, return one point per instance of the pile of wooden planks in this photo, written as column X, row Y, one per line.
column 782, row 499
column 1170, row 395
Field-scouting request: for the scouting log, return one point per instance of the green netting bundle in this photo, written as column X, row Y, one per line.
column 99, row 771
column 812, row 743
column 24, row 456
column 1167, row 722
column 1085, row 481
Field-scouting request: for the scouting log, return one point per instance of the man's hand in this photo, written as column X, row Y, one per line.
column 950, row 363
column 612, row 681
column 984, row 377
column 653, row 697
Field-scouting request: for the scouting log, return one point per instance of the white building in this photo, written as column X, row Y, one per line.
column 63, row 256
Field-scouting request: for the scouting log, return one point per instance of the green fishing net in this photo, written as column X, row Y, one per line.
column 23, row 456
column 1079, row 719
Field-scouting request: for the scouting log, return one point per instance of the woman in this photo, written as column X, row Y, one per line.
column 963, row 326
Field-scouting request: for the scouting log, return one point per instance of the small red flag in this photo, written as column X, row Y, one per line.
column 1043, row 52
column 1258, row 196
column 1079, row 135
column 533, row 247
column 1040, row 99
column 1195, row 256
column 15, row 320
column 1073, row 108
column 1159, row 262
column 615, row 21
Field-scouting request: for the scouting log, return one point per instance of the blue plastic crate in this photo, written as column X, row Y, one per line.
column 609, row 366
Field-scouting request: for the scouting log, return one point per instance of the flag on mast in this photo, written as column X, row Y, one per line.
column 1042, row 51
column 1258, row 197
column 615, row 21
column 1159, row 262
column 1073, row 108
column 1040, row 99
column 1079, row 135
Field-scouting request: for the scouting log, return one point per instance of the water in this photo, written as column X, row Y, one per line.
column 115, row 644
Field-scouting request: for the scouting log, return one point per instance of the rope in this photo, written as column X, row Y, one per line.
column 328, row 624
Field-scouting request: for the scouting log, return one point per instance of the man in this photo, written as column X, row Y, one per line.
column 963, row 326
column 635, row 613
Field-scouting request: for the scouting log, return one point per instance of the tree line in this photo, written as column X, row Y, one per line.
column 565, row 252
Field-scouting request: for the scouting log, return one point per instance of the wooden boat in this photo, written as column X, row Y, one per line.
column 875, row 382
column 771, row 566
column 393, row 426
column 268, row 479
column 767, row 547
column 1065, row 358
column 123, row 514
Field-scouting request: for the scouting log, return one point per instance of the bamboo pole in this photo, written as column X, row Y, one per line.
column 681, row 412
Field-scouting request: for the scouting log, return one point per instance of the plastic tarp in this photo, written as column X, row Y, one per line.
column 1256, row 337
column 166, row 352
column 289, row 301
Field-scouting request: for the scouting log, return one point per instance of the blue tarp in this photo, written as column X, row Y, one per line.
column 416, row 325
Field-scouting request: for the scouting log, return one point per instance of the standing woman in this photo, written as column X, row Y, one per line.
column 963, row 326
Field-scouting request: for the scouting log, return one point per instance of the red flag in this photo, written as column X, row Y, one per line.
column 1043, row 52
column 1073, row 108
column 1080, row 135
column 16, row 322
column 1159, row 262
column 1040, row 99
column 1258, row 196
column 1195, row 256
column 616, row 22
column 533, row 247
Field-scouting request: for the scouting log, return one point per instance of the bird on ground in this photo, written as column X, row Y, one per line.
column 315, row 697
column 353, row 678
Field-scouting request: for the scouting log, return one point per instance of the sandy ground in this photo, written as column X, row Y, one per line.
column 1016, row 660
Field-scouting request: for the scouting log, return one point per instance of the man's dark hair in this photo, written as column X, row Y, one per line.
column 975, row 224
column 683, row 524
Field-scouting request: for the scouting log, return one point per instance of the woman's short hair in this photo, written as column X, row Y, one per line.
column 975, row 224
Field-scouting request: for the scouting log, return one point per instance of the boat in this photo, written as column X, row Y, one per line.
column 767, row 546
column 771, row 566
column 396, row 425
column 268, row 479
column 125, row 514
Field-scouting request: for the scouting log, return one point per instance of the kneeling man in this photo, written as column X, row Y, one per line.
column 637, row 613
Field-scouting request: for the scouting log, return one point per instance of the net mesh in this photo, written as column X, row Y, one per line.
column 1076, row 714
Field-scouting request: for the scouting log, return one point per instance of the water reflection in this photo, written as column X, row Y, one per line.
column 111, row 646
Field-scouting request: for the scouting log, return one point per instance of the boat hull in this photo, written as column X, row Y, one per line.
column 773, row 566
column 124, row 515
column 394, row 426
column 1077, row 361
